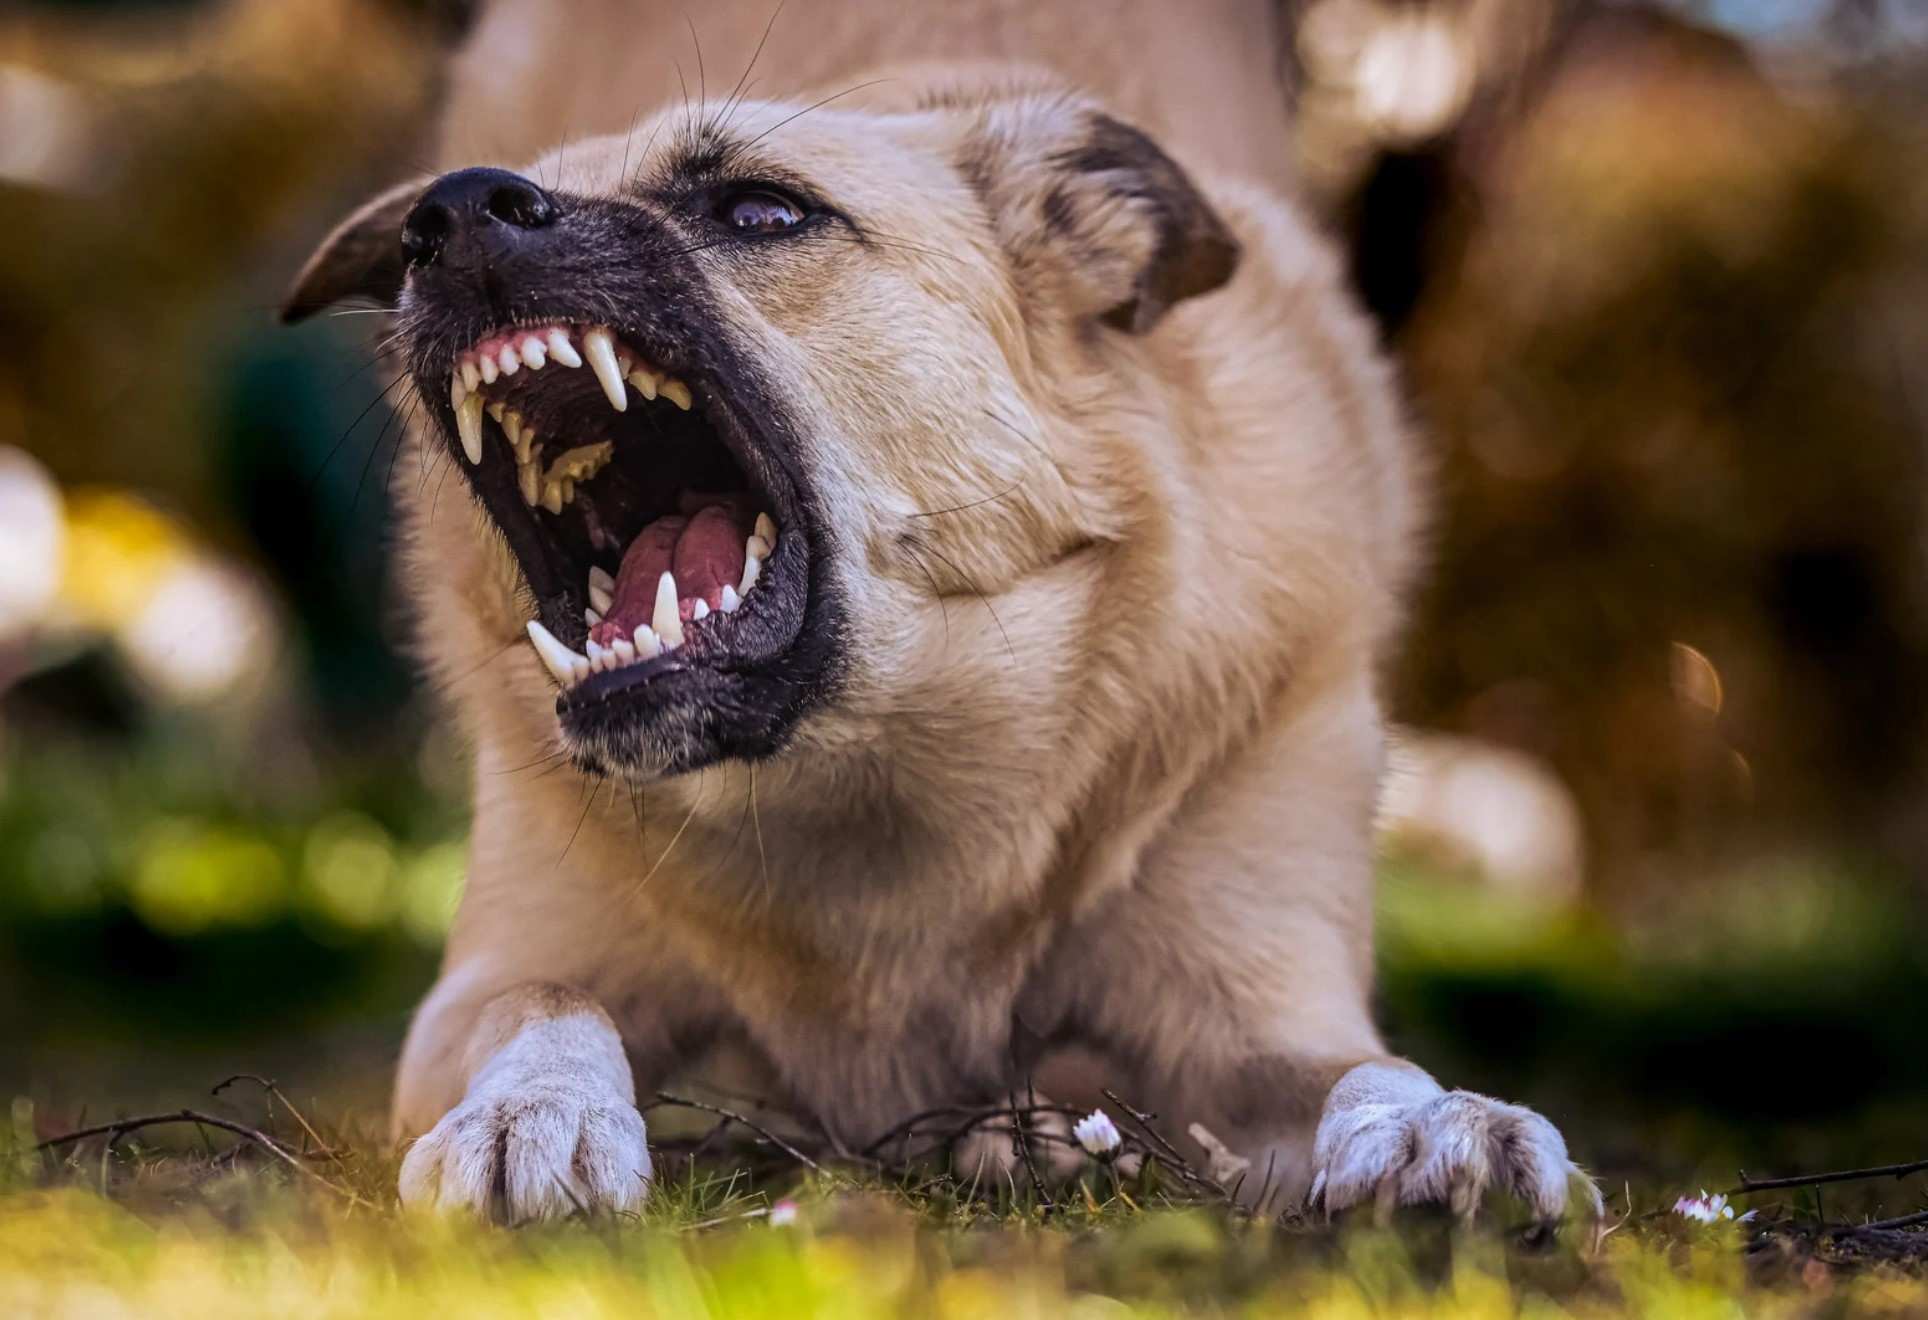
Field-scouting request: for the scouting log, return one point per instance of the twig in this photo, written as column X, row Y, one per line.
column 1814, row 1179
column 116, row 1130
column 1166, row 1153
column 321, row 1147
column 1902, row 1221
column 664, row 1097
column 1021, row 1144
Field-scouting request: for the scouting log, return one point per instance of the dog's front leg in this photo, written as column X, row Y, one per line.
column 547, row 1124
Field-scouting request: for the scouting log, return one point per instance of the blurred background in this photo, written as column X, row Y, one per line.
column 1656, row 851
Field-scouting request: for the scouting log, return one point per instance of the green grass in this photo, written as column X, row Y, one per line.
column 198, row 1231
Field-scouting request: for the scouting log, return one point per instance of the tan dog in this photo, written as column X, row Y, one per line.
column 960, row 543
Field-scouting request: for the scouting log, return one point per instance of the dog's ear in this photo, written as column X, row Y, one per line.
column 362, row 258
column 1094, row 214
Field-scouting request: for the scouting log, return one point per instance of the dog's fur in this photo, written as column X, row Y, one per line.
column 1120, row 507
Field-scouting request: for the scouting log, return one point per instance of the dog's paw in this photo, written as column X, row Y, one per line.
column 1447, row 1147
column 538, row 1151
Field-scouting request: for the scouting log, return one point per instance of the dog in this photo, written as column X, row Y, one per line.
column 919, row 561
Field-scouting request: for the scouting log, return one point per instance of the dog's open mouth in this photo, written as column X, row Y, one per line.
column 641, row 506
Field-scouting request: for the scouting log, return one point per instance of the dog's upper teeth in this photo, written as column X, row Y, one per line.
column 468, row 424
column 645, row 381
column 562, row 350
column 677, row 393
column 591, row 617
column 533, row 352
column 568, row 667
column 600, row 346
column 508, row 360
column 457, row 390
column 767, row 529
column 471, row 377
column 486, row 365
column 665, row 619
column 730, row 600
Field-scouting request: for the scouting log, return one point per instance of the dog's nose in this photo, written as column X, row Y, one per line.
column 489, row 207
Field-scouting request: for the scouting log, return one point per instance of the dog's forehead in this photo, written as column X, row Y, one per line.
column 758, row 140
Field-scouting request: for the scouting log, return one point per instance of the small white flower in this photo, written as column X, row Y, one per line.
column 783, row 1213
column 1098, row 1135
column 1704, row 1209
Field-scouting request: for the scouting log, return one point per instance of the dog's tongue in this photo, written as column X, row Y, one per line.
column 704, row 547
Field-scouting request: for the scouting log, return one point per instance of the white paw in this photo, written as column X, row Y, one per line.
column 540, row 1150
column 1447, row 1147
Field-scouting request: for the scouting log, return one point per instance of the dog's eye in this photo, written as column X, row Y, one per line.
column 758, row 211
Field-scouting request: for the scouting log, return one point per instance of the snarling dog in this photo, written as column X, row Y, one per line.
column 916, row 606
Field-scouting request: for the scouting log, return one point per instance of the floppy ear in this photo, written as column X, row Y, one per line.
column 362, row 258
column 1094, row 215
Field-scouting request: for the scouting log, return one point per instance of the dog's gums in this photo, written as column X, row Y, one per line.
column 655, row 570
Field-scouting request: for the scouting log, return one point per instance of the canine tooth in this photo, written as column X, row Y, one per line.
column 470, row 376
column 645, row 382
column 677, row 393
column 730, row 600
column 665, row 620
column 533, row 352
column 600, row 345
column 625, row 651
column 558, row 659
column 599, row 580
column 702, row 610
column 468, row 424
column 488, row 368
column 600, row 598
column 457, row 391
column 562, row 350
column 766, row 529
column 752, row 570
column 648, row 645
column 757, row 547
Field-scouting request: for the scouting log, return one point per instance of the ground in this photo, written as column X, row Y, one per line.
column 299, row 1220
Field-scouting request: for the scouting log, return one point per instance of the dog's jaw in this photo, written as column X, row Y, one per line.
column 651, row 490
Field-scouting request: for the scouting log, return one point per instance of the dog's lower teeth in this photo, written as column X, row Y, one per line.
column 730, row 600
column 566, row 666
column 667, row 618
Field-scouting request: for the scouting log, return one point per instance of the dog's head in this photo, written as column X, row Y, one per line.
column 741, row 395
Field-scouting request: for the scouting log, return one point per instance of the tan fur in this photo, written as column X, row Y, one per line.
column 1106, row 761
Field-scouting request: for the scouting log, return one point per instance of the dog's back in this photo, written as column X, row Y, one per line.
column 1204, row 77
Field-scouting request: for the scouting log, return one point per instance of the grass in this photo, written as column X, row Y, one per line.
column 208, row 1231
